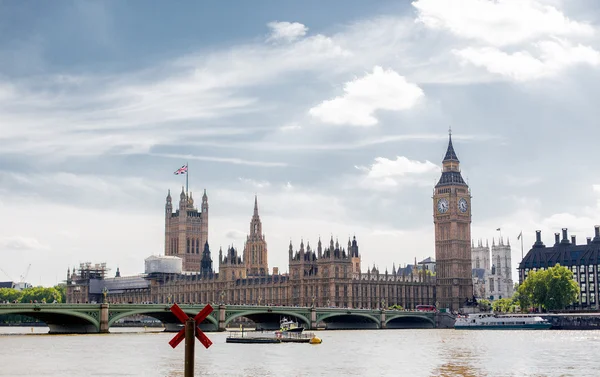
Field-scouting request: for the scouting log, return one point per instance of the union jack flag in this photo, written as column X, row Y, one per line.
column 181, row 170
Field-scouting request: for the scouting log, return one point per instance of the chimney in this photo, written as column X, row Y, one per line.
column 538, row 239
column 565, row 237
column 597, row 227
column 589, row 240
column 573, row 240
column 556, row 238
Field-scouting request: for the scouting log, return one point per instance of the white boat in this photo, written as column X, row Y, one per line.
column 490, row 321
column 287, row 325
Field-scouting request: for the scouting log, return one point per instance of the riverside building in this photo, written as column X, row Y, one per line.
column 582, row 259
column 327, row 275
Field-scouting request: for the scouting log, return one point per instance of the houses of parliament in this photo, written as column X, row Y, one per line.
column 326, row 275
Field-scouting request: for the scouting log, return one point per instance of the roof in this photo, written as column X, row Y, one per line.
column 451, row 178
column 450, row 154
column 478, row 273
column 7, row 284
column 563, row 253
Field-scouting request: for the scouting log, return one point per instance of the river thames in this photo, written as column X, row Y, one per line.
column 134, row 352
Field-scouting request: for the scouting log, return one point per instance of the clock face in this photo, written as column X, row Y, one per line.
column 463, row 205
column 442, row 205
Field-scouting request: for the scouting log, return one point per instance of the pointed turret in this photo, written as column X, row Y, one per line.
column 319, row 248
column 450, row 154
column 118, row 274
column 450, row 167
column 255, row 206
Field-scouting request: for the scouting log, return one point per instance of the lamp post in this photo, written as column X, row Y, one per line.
column 222, row 297
column 313, row 301
column 382, row 304
column 104, row 294
column 327, row 302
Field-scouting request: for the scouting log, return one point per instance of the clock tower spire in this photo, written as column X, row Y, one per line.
column 452, row 222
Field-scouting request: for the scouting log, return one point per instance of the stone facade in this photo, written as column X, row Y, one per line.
column 186, row 230
column 499, row 281
column 452, row 221
column 255, row 249
column 480, row 265
column 327, row 276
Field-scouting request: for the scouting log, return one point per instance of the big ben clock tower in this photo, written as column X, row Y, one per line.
column 452, row 221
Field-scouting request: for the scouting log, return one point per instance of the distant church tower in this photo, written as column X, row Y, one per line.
column 452, row 221
column 255, row 249
column 186, row 230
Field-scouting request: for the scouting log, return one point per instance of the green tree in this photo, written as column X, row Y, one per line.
column 41, row 294
column 62, row 289
column 503, row 305
column 484, row 305
column 552, row 289
column 10, row 294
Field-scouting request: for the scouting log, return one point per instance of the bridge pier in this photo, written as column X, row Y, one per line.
column 103, row 319
column 313, row 318
column 222, row 310
column 382, row 324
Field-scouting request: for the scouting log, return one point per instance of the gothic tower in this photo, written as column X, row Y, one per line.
column 255, row 249
column 452, row 221
column 186, row 230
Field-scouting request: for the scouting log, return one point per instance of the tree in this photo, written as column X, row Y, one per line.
column 10, row 295
column 41, row 294
column 551, row 289
column 503, row 305
column 62, row 289
column 484, row 305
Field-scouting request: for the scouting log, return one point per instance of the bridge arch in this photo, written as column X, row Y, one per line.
column 347, row 315
column 157, row 314
column 61, row 321
column 409, row 321
column 250, row 313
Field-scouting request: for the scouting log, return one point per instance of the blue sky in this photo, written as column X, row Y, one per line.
column 335, row 114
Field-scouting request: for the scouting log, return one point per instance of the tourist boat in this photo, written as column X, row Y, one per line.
column 287, row 325
column 490, row 321
column 252, row 337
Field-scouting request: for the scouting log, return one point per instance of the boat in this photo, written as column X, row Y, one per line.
column 252, row 337
column 296, row 337
column 287, row 325
column 491, row 321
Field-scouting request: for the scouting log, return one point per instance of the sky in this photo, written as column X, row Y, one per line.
column 335, row 114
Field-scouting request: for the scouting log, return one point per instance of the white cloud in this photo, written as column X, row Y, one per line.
column 286, row 31
column 500, row 22
column 16, row 243
column 554, row 56
column 388, row 174
column 227, row 160
column 380, row 90
column 235, row 235
column 291, row 127
column 254, row 183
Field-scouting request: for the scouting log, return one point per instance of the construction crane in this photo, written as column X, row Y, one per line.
column 24, row 276
column 6, row 273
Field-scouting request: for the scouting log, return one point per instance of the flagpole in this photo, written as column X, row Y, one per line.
column 521, row 245
column 187, row 175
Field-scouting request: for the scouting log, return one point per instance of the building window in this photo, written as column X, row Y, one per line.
column 583, row 287
column 583, row 298
column 590, row 278
column 592, row 287
column 582, row 268
column 592, row 298
column 590, row 268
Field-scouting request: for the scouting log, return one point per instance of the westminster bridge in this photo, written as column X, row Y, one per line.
column 98, row 318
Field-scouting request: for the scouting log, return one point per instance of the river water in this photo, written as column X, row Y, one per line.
column 140, row 352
